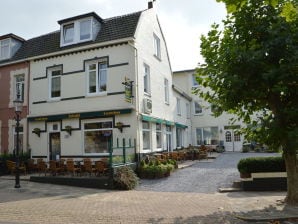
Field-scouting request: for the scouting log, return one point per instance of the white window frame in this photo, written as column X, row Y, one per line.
column 146, row 77
column 166, row 89
column 179, row 137
column 76, row 32
column 159, row 133
column 194, row 81
column 178, row 100
column 205, row 140
column 187, row 106
column 2, row 45
column 195, row 109
column 99, row 73
column 109, row 129
column 148, row 131
column 19, row 87
column 157, row 51
column 51, row 77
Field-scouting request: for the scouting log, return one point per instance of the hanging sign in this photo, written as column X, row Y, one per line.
column 128, row 89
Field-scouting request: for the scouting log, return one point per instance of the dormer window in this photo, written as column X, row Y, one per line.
column 79, row 29
column 9, row 45
column 4, row 49
column 68, row 33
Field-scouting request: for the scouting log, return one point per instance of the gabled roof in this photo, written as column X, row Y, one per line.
column 90, row 14
column 112, row 29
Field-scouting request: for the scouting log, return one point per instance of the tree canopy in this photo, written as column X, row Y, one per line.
column 251, row 70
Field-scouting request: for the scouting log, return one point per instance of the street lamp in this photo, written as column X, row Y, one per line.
column 18, row 105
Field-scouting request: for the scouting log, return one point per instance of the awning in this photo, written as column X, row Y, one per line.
column 178, row 125
column 162, row 121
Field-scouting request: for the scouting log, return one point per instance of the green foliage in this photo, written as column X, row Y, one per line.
column 156, row 169
column 261, row 164
column 251, row 71
column 125, row 178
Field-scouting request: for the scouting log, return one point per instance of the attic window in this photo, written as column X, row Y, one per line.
column 76, row 32
column 4, row 49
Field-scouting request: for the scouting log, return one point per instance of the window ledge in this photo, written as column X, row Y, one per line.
column 97, row 94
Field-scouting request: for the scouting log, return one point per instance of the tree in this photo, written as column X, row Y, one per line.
column 251, row 70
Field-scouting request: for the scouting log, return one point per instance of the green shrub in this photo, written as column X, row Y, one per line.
column 261, row 164
column 125, row 178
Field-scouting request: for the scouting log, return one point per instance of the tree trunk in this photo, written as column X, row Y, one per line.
column 291, row 160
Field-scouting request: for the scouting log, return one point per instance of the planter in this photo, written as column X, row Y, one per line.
column 245, row 175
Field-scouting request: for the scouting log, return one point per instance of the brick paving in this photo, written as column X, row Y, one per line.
column 46, row 203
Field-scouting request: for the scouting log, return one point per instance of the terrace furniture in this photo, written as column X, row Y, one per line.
column 11, row 166
column 101, row 168
column 70, row 167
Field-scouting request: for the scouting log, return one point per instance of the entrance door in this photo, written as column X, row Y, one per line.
column 55, row 146
column 232, row 141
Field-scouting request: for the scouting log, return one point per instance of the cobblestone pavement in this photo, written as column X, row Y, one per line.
column 38, row 203
column 203, row 176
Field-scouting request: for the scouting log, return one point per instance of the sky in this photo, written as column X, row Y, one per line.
column 182, row 21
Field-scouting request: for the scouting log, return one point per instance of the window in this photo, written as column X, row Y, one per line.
column 146, row 135
column 157, row 46
column 166, row 86
column 146, row 79
column 97, row 136
column 158, row 136
column 168, row 138
column 4, row 49
column 194, row 81
column 55, row 82
column 21, row 131
column 97, row 77
column 179, row 137
column 198, row 108
column 68, row 33
column 207, row 136
column 76, row 32
column 19, row 87
column 85, row 29
column 228, row 136
column 178, row 107
column 187, row 110
column 237, row 137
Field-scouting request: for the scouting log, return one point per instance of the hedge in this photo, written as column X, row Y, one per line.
column 261, row 164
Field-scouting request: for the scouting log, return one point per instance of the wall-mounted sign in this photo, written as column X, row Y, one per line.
column 128, row 89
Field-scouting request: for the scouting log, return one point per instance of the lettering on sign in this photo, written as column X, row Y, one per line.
column 108, row 113
column 74, row 116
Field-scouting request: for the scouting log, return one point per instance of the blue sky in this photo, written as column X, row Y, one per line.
column 182, row 21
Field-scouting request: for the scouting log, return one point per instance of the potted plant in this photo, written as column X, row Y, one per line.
column 36, row 131
column 68, row 129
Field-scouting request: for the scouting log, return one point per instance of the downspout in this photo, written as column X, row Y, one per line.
column 137, row 144
column 28, row 92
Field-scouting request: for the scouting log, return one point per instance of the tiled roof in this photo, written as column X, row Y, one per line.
column 112, row 29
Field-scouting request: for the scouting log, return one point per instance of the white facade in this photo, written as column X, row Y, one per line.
column 71, row 116
column 207, row 129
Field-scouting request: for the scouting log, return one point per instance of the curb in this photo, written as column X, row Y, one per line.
column 267, row 219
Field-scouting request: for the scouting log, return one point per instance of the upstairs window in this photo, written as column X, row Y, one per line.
column 76, row 32
column 55, row 82
column 146, row 79
column 194, row 81
column 178, row 107
column 166, row 88
column 68, row 33
column 198, row 108
column 19, row 87
column 97, row 77
column 157, row 46
column 4, row 49
column 85, row 29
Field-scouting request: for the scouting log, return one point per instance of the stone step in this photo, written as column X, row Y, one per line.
column 228, row 189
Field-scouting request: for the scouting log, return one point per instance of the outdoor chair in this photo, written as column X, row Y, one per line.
column 53, row 168
column 88, row 167
column 31, row 165
column 101, row 168
column 42, row 167
column 11, row 166
column 70, row 167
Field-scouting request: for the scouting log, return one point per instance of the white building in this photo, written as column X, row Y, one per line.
column 78, row 97
column 205, row 128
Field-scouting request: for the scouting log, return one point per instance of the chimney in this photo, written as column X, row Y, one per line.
column 150, row 5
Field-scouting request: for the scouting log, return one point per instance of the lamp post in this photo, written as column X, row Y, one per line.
column 18, row 105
